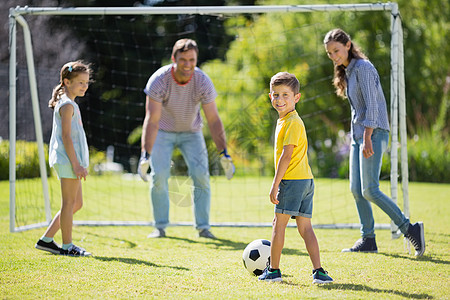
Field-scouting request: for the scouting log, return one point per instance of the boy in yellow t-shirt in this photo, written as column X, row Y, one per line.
column 293, row 185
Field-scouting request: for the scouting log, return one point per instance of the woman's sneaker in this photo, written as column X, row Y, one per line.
column 416, row 236
column 75, row 251
column 51, row 247
column 270, row 276
column 320, row 276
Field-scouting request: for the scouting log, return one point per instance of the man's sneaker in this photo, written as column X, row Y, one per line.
column 320, row 276
column 51, row 247
column 75, row 251
column 270, row 276
column 205, row 233
column 416, row 236
column 363, row 245
column 157, row 233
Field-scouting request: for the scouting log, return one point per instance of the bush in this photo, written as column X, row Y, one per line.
column 27, row 160
column 4, row 160
column 429, row 158
column 329, row 158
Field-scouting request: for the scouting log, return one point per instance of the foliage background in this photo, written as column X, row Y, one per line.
column 123, row 66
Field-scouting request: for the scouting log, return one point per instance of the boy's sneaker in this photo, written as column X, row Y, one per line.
column 75, row 251
column 416, row 236
column 320, row 276
column 364, row 244
column 51, row 247
column 205, row 233
column 270, row 276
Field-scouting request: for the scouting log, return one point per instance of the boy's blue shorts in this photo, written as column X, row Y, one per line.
column 296, row 198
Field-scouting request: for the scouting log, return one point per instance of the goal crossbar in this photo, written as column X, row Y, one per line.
column 398, row 104
column 145, row 10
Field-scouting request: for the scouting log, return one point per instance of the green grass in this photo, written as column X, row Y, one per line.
column 182, row 266
column 239, row 200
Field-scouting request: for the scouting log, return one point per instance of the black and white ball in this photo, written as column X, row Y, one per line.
column 256, row 256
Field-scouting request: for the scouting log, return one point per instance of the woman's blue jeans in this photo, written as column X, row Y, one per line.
column 193, row 148
column 365, row 184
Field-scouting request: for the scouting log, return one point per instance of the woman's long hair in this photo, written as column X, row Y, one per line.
column 338, row 35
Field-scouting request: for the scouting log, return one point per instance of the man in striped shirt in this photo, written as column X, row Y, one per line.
column 175, row 94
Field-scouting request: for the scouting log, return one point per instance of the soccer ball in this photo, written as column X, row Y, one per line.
column 256, row 256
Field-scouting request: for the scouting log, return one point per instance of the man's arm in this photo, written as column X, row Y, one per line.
column 218, row 135
column 215, row 125
column 151, row 124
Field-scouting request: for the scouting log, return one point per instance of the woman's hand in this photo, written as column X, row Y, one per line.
column 367, row 143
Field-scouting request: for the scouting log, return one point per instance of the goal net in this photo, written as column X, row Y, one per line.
column 241, row 47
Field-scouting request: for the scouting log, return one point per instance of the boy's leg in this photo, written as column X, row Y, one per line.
column 278, row 233
column 312, row 246
column 305, row 229
column 272, row 272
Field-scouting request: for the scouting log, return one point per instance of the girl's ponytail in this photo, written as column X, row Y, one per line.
column 56, row 95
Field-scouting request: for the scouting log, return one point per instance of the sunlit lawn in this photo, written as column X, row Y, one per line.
column 125, row 264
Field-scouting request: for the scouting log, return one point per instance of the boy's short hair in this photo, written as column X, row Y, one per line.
column 285, row 78
column 184, row 45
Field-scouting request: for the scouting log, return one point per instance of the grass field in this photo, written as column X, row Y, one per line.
column 125, row 264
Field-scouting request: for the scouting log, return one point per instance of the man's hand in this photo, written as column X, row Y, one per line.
column 144, row 165
column 227, row 164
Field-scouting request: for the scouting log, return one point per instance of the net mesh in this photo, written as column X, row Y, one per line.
column 240, row 53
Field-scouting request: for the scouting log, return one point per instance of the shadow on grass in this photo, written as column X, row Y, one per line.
column 225, row 244
column 289, row 251
column 128, row 244
column 425, row 258
column 365, row 288
column 288, row 282
column 133, row 261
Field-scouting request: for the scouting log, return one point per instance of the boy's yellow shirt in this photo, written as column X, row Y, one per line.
column 290, row 130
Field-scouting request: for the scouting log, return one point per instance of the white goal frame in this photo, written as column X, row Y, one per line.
column 397, row 109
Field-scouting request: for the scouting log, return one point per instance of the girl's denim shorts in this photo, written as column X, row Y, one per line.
column 295, row 198
column 64, row 171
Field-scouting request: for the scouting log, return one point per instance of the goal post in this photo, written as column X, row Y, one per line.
column 397, row 95
column 398, row 115
column 36, row 117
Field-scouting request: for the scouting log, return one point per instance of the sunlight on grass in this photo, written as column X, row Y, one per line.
column 240, row 200
column 182, row 266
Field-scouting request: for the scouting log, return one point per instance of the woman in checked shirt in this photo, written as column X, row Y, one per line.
column 357, row 79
